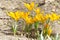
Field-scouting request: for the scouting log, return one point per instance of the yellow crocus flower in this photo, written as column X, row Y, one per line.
column 55, row 16
column 42, row 17
column 15, row 15
column 37, row 18
column 29, row 6
column 25, row 14
column 34, row 19
column 47, row 16
column 51, row 18
column 29, row 20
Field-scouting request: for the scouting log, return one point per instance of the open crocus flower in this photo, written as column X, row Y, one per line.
column 54, row 17
column 25, row 14
column 47, row 16
column 15, row 15
column 39, row 17
column 29, row 20
column 29, row 6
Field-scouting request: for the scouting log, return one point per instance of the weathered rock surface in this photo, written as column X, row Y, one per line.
column 13, row 5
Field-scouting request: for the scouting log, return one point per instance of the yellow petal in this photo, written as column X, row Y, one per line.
column 11, row 14
column 14, row 15
column 27, row 6
column 17, row 15
column 37, row 10
column 32, row 5
column 49, row 31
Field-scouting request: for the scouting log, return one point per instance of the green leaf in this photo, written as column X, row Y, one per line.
column 28, row 27
column 14, row 28
column 36, row 25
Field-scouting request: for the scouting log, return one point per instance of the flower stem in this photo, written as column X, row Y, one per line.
column 14, row 28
